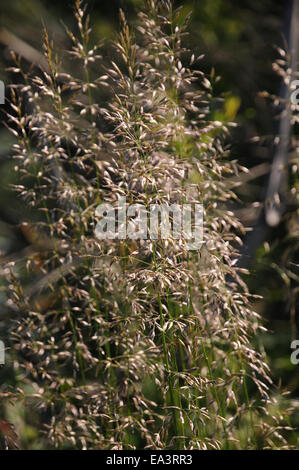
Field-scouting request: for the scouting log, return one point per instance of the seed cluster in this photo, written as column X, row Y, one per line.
column 128, row 344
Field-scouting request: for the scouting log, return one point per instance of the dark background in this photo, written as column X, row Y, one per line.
column 239, row 41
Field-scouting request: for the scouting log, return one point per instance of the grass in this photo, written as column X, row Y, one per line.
column 129, row 344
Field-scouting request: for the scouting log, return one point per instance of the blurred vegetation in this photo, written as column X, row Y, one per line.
column 238, row 40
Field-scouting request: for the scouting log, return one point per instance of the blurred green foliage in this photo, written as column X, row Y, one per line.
column 238, row 40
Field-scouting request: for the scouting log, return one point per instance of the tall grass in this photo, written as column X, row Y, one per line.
column 126, row 344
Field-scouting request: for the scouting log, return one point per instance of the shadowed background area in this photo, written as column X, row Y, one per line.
column 239, row 41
